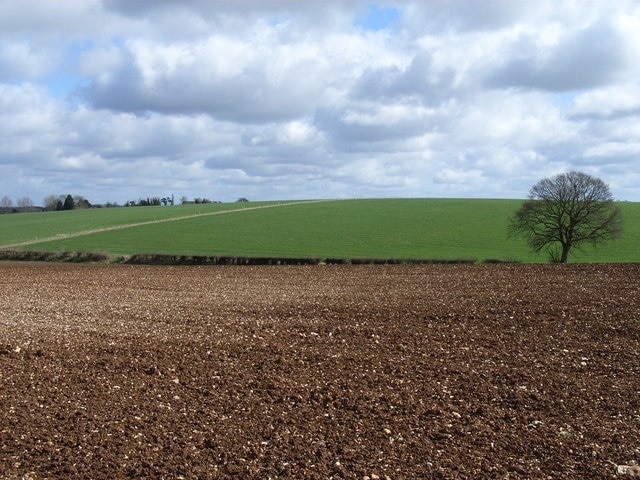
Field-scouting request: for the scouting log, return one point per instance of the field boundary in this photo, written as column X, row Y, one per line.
column 81, row 233
column 168, row 259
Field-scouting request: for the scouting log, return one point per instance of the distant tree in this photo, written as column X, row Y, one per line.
column 25, row 202
column 81, row 202
column 242, row 199
column 565, row 212
column 50, row 202
column 69, row 203
column 6, row 202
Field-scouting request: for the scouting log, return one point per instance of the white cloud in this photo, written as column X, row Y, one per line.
column 583, row 58
column 614, row 149
column 621, row 99
column 225, row 78
column 511, row 118
column 277, row 98
column 19, row 61
column 38, row 20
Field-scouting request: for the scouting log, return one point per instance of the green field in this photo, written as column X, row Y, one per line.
column 437, row 229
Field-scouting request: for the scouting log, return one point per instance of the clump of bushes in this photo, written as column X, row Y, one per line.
column 504, row 260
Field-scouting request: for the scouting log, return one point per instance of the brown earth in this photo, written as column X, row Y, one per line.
column 318, row 372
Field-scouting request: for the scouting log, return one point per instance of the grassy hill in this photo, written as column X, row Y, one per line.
column 372, row 228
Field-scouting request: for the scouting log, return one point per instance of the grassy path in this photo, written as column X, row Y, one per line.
column 148, row 222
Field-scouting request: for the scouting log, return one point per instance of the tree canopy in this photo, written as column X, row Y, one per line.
column 567, row 211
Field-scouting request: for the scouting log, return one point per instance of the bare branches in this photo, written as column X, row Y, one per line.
column 567, row 211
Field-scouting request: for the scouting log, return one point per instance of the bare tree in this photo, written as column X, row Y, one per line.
column 51, row 202
column 6, row 202
column 25, row 202
column 565, row 212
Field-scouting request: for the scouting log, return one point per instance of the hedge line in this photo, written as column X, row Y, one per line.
column 31, row 256
column 155, row 259
column 163, row 259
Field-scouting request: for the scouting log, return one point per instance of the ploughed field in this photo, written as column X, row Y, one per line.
column 318, row 372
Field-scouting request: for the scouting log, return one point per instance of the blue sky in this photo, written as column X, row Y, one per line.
column 64, row 79
column 272, row 99
column 377, row 17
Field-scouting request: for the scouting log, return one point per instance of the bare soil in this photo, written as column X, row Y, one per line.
column 319, row 372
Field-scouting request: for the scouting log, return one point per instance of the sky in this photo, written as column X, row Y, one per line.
column 118, row 100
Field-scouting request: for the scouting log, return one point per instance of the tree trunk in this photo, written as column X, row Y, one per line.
column 565, row 252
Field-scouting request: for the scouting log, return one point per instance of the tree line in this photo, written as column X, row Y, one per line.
column 76, row 202
column 65, row 202
column 165, row 201
column 51, row 203
column 23, row 204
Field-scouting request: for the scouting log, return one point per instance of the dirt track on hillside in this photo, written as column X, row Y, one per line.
column 468, row 371
column 82, row 233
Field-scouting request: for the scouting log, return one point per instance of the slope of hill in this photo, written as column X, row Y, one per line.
column 371, row 228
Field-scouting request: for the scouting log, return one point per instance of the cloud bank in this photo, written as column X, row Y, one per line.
column 117, row 100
